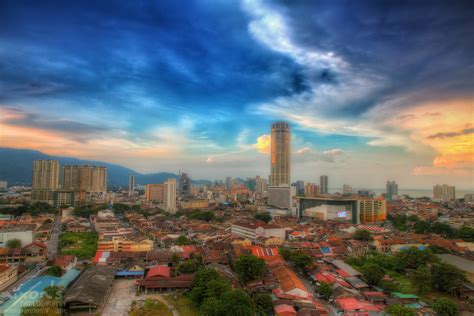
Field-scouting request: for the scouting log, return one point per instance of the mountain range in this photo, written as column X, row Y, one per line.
column 16, row 168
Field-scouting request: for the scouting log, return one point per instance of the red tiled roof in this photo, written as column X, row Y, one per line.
column 284, row 308
column 162, row 271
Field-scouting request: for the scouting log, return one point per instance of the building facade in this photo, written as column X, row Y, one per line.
column 184, row 184
column 372, row 210
column 155, row 192
column 131, row 184
column 45, row 180
column 84, row 178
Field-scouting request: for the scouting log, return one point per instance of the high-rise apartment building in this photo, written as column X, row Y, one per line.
column 155, row 192
column 228, row 183
column 392, row 190
column 170, row 195
column 184, row 184
column 323, row 184
column 444, row 193
column 84, row 178
column 45, row 180
column 261, row 185
column 372, row 210
column 280, row 173
column 3, row 185
column 131, row 184
column 346, row 189
column 311, row 189
column 45, row 175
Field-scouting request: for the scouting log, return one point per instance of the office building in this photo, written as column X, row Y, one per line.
column 131, row 184
column 346, row 189
column 300, row 187
column 155, row 192
column 280, row 173
column 444, row 193
column 3, row 185
column 372, row 210
column 468, row 197
column 45, row 180
column 184, row 184
column 250, row 184
column 323, row 184
column 84, row 178
column 392, row 190
column 311, row 189
column 170, row 195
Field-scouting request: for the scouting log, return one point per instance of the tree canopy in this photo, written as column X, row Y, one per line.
column 249, row 268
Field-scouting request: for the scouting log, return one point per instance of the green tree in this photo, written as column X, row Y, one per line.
column 373, row 273
column 200, row 288
column 447, row 278
column 212, row 307
column 237, row 303
column 263, row 304
column 422, row 227
column 264, row 217
column 362, row 234
column 466, row 233
column 54, row 271
column 14, row 243
column 399, row 310
column 421, row 278
column 249, row 268
column 325, row 290
column 413, row 218
column 413, row 257
column 189, row 266
column 183, row 240
column 445, row 307
column 53, row 291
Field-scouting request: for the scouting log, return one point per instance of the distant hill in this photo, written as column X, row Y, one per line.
column 16, row 168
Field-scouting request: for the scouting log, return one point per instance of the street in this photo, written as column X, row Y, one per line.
column 53, row 242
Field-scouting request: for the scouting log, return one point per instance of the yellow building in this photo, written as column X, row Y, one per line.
column 121, row 243
column 155, row 192
column 372, row 210
column 192, row 204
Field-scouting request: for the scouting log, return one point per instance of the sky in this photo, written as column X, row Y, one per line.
column 373, row 90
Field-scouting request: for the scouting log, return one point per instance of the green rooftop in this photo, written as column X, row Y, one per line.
column 403, row 295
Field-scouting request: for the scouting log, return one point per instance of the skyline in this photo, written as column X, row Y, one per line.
column 165, row 88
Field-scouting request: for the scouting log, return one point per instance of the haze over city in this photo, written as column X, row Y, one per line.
column 372, row 90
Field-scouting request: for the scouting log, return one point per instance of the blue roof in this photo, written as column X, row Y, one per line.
column 32, row 290
column 326, row 249
column 129, row 273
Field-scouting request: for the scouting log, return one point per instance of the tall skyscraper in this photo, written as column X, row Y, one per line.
column 372, row 210
column 184, row 184
column 228, row 183
column 280, row 173
column 84, row 178
column 444, row 193
column 392, row 190
column 45, row 175
column 45, row 180
column 170, row 195
column 346, row 189
column 323, row 184
column 131, row 184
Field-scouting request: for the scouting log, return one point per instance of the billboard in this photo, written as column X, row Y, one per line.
column 342, row 214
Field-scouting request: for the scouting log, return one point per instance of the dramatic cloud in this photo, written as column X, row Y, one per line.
column 378, row 87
